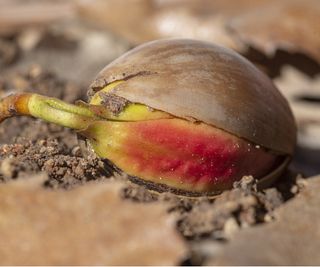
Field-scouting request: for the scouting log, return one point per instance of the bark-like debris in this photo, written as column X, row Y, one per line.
column 113, row 102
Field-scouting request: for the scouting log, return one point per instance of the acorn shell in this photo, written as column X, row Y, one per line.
column 205, row 82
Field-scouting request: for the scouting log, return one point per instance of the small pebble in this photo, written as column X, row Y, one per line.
column 7, row 168
column 230, row 227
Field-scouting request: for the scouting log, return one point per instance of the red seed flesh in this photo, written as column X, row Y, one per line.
column 189, row 156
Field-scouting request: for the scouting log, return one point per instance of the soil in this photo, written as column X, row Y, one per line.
column 29, row 146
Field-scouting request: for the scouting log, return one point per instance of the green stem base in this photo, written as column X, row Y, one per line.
column 46, row 108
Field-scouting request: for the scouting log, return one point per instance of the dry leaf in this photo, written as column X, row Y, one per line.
column 90, row 225
column 152, row 19
column 303, row 94
column 291, row 25
column 18, row 15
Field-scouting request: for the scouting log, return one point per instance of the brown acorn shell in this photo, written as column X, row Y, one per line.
column 204, row 82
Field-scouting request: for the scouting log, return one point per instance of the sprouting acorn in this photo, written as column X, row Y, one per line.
column 180, row 115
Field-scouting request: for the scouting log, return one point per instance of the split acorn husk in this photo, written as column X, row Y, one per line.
column 181, row 115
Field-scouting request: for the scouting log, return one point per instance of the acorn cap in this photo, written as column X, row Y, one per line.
column 204, row 82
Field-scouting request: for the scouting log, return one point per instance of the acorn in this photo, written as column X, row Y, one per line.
column 181, row 115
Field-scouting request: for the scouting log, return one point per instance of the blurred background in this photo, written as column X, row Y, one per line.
column 74, row 39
